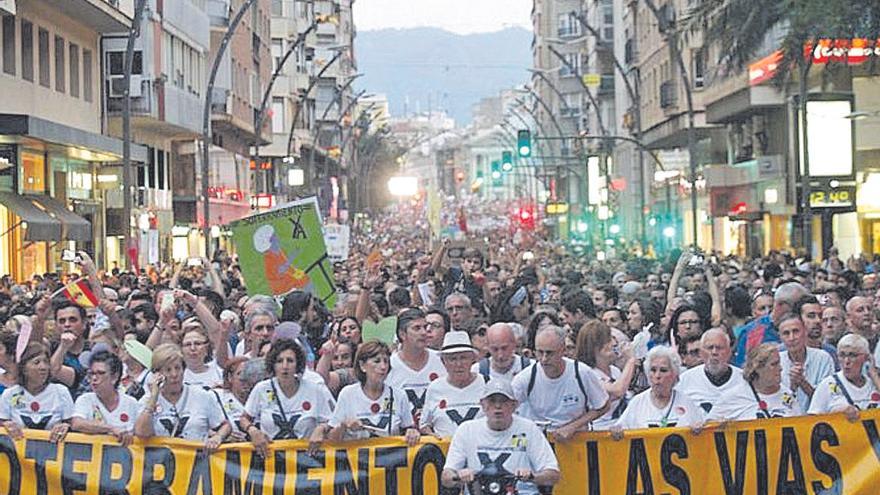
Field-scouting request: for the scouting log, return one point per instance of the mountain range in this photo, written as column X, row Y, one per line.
column 423, row 69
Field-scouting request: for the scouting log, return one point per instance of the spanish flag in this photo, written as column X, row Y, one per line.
column 80, row 293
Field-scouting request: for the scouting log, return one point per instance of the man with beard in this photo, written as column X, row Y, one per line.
column 810, row 311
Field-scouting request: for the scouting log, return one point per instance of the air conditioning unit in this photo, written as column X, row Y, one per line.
column 117, row 86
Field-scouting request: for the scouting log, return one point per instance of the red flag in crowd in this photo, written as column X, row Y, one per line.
column 80, row 292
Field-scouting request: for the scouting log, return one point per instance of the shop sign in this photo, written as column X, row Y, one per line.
column 852, row 52
column 833, row 197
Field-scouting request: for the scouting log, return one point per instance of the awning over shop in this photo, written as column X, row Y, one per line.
column 47, row 218
column 75, row 227
column 41, row 224
column 84, row 145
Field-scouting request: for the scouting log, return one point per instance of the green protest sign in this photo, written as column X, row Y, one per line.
column 384, row 331
column 283, row 250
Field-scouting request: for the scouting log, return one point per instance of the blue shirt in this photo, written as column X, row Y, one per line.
column 753, row 334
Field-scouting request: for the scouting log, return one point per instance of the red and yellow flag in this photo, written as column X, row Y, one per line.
column 80, row 292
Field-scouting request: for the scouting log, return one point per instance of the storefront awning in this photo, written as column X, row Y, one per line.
column 41, row 224
column 47, row 218
column 74, row 227
column 84, row 145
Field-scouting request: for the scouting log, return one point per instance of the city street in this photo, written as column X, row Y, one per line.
column 439, row 246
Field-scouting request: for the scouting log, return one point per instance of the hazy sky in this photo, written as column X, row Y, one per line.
column 458, row 16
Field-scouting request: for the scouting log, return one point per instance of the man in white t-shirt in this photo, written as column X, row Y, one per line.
column 503, row 362
column 565, row 394
column 716, row 386
column 414, row 366
column 802, row 367
column 452, row 400
column 500, row 442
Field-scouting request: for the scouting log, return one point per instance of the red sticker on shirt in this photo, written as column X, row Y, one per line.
column 680, row 410
column 433, row 376
column 35, row 406
column 762, row 404
column 374, row 408
column 307, row 405
column 123, row 417
column 875, row 397
column 443, row 404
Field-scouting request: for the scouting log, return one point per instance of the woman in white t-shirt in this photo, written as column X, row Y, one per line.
column 285, row 406
column 851, row 389
column 172, row 408
column 763, row 372
column 596, row 348
column 35, row 403
column 371, row 407
column 660, row 406
column 201, row 369
column 105, row 411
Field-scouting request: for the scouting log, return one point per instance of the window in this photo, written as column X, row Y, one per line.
column 87, row 74
column 277, row 115
column 277, row 52
column 116, row 63
column 43, row 40
column 160, row 169
column 277, row 8
column 60, row 67
column 9, row 45
column 74, row 70
column 571, row 66
column 699, row 71
column 568, row 25
column 27, row 50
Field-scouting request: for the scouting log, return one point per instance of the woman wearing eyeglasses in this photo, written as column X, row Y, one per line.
column 685, row 322
column 104, row 410
column 852, row 389
column 172, row 408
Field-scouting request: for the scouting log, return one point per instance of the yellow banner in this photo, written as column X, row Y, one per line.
column 808, row 455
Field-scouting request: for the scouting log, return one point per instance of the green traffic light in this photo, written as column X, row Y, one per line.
column 524, row 143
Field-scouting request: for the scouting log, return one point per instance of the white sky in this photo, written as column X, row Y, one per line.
column 458, row 16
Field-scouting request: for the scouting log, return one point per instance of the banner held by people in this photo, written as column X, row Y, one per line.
column 283, row 250
column 812, row 454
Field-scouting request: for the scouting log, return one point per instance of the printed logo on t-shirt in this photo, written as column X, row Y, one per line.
column 707, row 406
column 32, row 424
column 458, row 419
column 519, row 441
column 175, row 429
column 417, row 400
column 285, row 428
column 570, row 400
column 497, row 463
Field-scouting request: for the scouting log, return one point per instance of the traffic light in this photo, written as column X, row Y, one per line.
column 526, row 217
column 506, row 161
column 524, row 143
column 496, row 173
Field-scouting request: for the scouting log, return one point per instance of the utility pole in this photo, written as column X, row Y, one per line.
column 133, row 34
column 667, row 29
column 206, row 120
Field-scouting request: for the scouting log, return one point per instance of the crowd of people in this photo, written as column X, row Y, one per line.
column 510, row 332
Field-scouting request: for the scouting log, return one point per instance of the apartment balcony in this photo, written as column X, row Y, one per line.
column 102, row 16
column 156, row 106
column 570, row 31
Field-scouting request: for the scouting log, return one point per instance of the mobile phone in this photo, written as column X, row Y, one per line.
column 167, row 301
column 68, row 255
column 696, row 260
column 194, row 262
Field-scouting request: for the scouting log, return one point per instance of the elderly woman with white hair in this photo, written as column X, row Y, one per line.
column 853, row 388
column 661, row 405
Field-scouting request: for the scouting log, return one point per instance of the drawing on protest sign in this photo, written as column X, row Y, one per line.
column 338, row 239
column 804, row 455
column 283, row 250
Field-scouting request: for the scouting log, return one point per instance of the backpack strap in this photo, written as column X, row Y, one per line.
column 391, row 409
column 524, row 362
column 577, row 375
column 532, row 378
column 484, row 368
